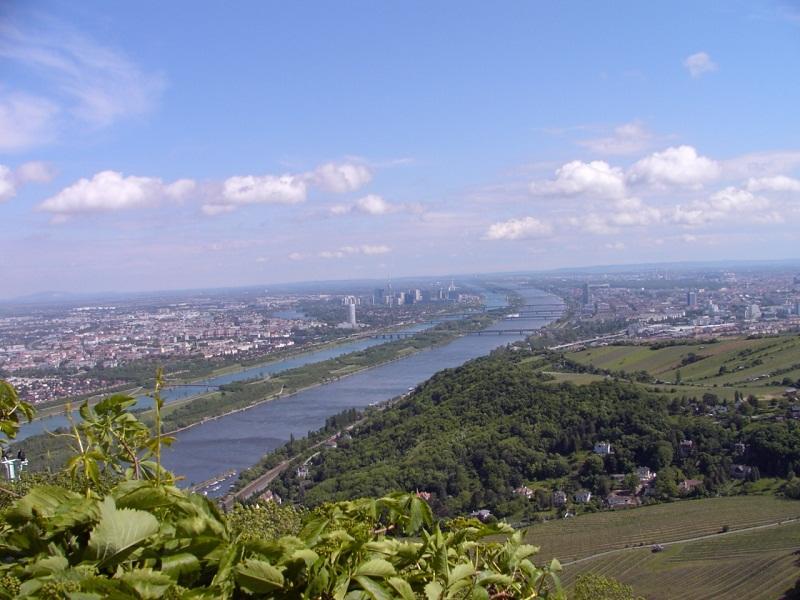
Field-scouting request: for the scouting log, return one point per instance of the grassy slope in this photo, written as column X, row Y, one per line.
column 753, row 565
column 774, row 353
column 570, row 539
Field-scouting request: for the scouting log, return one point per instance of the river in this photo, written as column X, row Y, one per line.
column 174, row 394
column 239, row 440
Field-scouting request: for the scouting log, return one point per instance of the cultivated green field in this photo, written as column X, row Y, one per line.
column 737, row 361
column 586, row 535
column 752, row 564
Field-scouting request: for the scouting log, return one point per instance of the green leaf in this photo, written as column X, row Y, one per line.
column 480, row 593
column 377, row 567
column 119, row 532
column 402, row 587
column 374, row 589
column 183, row 565
column 434, row 590
column 489, row 578
column 148, row 584
column 41, row 501
column 258, row 576
column 461, row 571
column 47, row 566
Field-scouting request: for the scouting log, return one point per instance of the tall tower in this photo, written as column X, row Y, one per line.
column 352, row 315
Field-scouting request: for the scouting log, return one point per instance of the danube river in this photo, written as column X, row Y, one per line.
column 174, row 394
column 239, row 440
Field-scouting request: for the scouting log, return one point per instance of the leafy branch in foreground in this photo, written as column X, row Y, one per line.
column 145, row 538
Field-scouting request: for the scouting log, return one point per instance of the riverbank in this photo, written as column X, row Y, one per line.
column 46, row 451
column 56, row 408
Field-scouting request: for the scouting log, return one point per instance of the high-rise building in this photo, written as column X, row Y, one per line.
column 587, row 294
column 691, row 299
column 352, row 315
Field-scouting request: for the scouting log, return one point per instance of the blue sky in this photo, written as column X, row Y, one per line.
column 155, row 145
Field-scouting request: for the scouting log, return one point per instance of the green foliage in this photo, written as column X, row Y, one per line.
column 109, row 438
column 148, row 540
column 470, row 436
column 12, row 410
column 792, row 488
column 266, row 521
column 145, row 538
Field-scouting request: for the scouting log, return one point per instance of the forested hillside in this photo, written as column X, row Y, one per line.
column 470, row 436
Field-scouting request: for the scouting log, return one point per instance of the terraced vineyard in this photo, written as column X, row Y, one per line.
column 572, row 539
column 736, row 361
column 752, row 564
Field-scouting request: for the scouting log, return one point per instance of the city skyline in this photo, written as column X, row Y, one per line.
column 310, row 143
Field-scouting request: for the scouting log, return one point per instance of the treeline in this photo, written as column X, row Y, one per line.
column 471, row 435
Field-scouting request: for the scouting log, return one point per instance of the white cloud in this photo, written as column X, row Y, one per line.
column 676, row 166
column 596, row 178
column 728, row 203
column 516, row 229
column 34, row 172
column 699, row 64
column 341, row 177
column 777, row 183
column 110, row 191
column 372, row 204
column 264, row 189
column 8, row 188
column 732, row 199
column 615, row 246
column 26, row 121
column 344, row 251
column 30, row 172
column 96, row 84
column 628, row 138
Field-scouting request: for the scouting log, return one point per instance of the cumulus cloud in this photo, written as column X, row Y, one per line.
column 30, row 172
column 699, row 64
column 256, row 189
column 364, row 249
column 371, row 204
column 728, row 203
column 678, row 166
column 110, row 191
column 264, row 189
column 26, row 121
column 293, row 189
column 628, row 138
column 516, row 229
column 596, row 178
column 778, row 183
column 341, row 177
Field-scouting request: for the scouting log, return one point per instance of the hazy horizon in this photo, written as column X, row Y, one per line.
column 174, row 146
